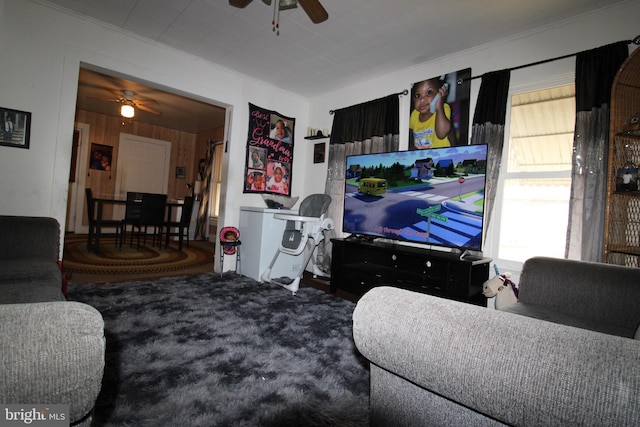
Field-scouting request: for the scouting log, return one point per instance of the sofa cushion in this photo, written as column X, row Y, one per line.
column 550, row 315
column 30, row 269
column 30, row 280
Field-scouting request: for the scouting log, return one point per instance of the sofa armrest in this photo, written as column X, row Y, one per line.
column 598, row 292
column 52, row 353
column 515, row 369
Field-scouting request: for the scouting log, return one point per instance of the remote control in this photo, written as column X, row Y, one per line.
column 432, row 106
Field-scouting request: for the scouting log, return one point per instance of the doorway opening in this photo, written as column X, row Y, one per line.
column 186, row 122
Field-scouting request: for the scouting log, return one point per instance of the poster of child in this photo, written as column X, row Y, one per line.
column 255, row 180
column 440, row 111
column 278, row 177
column 280, row 129
column 256, row 157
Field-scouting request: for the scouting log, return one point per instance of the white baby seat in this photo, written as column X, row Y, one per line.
column 305, row 230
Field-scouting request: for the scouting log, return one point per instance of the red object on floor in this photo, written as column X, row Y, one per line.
column 64, row 279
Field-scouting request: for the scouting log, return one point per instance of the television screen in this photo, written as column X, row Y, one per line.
column 434, row 197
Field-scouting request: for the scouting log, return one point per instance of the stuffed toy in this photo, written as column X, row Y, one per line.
column 505, row 291
column 632, row 124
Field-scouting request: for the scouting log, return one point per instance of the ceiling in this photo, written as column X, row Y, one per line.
column 361, row 39
column 98, row 92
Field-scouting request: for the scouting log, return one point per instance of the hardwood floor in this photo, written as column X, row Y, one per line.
column 323, row 284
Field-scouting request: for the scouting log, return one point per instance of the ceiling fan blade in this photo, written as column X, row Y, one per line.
column 145, row 101
column 99, row 98
column 240, row 3
column 147, row 109
column 314, row 9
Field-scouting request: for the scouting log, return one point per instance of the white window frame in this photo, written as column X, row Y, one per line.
column 216, row 180
column 492, row 242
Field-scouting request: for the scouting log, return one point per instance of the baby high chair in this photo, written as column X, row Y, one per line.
column 303, row 231
column 229, row 245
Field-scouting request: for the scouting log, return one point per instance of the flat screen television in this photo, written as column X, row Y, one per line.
column 433, row 197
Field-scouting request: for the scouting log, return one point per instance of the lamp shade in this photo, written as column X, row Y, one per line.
column 127, row 111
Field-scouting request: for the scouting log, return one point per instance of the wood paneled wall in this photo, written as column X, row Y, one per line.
column 186, row 150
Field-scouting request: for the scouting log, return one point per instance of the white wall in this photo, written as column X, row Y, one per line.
column 42, row 49
column 568, row 37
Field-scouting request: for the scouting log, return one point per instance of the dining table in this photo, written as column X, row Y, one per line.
column 100, row 202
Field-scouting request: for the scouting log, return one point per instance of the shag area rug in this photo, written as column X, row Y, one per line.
column 210, row 351
column 113, row 264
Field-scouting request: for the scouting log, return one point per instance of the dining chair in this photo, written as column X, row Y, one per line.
column 131, row 215
column 182, row 224
column 152, row 212
column 94, row 227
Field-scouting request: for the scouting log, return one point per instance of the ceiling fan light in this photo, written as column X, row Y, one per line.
column 127, row 111
column 288, row 4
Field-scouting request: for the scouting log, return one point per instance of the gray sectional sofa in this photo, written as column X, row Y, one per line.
column 563, row 356
column 51, row 350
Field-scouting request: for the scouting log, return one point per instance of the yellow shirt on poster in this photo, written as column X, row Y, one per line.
column 424, row 133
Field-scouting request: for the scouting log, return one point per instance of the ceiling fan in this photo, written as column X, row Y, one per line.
column 129, row 103
column 313, row 8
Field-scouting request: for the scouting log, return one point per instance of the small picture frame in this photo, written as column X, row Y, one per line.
column 627, row 179
column 181, row 172
column 15, row 128
column 318, row 152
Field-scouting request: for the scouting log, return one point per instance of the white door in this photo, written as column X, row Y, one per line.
column 143, row 166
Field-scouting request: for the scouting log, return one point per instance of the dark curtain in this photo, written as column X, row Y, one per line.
column 595, row 72
column 488, row 128
column 370, row 127
column 360, row 122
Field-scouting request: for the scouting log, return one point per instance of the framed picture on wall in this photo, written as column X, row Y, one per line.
column 627, row 179
column 15, row 128
column 101, row 157
column 181, row 172
column 318, row 152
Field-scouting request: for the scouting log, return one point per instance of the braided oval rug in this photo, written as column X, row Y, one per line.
column 114, row 264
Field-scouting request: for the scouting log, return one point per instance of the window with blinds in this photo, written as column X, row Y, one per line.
column 537, row 182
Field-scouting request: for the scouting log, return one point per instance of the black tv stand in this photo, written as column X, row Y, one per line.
column 470, row 255
column 361, row 238
column 358, row 265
